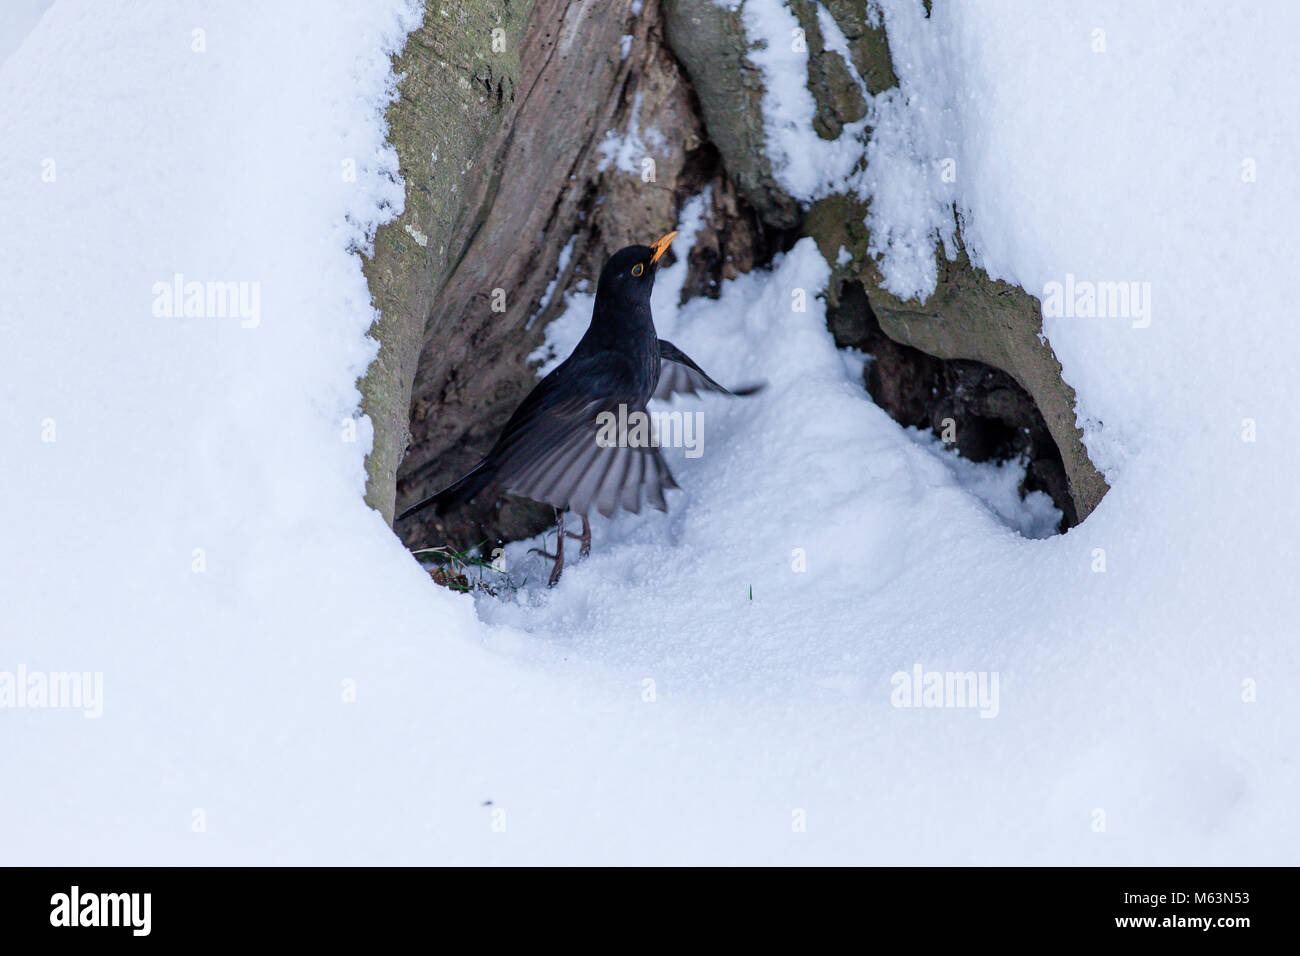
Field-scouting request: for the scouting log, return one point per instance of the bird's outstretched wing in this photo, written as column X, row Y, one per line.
column 555, row 450
column 566, row 461
column 679, row 375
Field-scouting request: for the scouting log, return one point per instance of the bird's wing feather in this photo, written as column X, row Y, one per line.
column 679, row 375
column 630, row 493
column 549, row 449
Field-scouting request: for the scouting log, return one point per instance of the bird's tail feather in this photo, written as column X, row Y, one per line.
column 458, row 492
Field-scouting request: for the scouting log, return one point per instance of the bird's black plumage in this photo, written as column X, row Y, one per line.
column 548, row 449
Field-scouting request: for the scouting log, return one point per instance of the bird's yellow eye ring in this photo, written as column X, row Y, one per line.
column 638, row 269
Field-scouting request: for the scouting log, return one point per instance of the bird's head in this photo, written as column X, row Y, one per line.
column 630, row 272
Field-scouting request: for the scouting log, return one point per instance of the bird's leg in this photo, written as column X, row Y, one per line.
column 559, row 550
column 585, row 538
column 558, row 556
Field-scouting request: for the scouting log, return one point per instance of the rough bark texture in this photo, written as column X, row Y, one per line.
column 457, row 91
column 506, row 157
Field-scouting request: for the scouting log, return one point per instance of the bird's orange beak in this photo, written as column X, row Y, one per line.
column 660, row 246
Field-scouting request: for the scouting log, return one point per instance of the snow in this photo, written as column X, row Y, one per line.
column 806, row 166
column 997, row 484
column 561, row 266
column 282, row 683
column 20, row 17
column 631, row 152
column 913, row 160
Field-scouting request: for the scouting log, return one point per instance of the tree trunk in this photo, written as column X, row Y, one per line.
column 511, row 189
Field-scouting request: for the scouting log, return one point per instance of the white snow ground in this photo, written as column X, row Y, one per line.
column 20, row 16
column 768, row 734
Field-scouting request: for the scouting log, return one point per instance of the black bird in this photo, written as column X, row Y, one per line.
column 549, row 450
